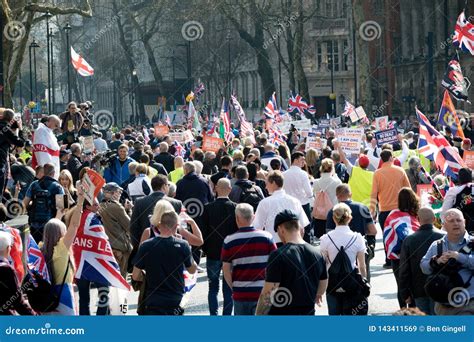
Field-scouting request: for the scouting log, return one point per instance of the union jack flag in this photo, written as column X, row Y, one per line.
column 271, row 109
column 93, row 254
column 276, row 137
column 167, row 120
column 296, row 104
column 225, row 131
column 179, row 149
column 36, row 260
column 398, row 226
column 464, row 34
column 434, row 146
column 199, row 90
column 246, row 128
column 348, row 109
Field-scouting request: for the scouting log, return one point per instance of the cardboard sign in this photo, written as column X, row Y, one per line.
column 357, row 114
column 188, row 136
column 315, row 142
column 161, row 130
column 381, row 123
column 468, row 158
column 305, row 132
column 87, row 144
column 299, row 124
column 212, row 144
column 388, row 136
column 177, row 136
column 324, row 123
column 350, row 139
column 91, row 184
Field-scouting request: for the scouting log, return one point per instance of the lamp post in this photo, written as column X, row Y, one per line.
column 228, row 38
column 135, row 88
column 53, row 98
column 33, row 45
column 66, row 29
column 332, row 96
column 279, row 62
column 48, row 15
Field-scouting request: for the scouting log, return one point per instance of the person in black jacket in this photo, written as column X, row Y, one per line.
column 74, row 164
column 165, row 158
column 8, row 137
column 414, row 247
column 218, row 221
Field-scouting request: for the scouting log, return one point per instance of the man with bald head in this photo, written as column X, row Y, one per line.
column 457, row 250
column 218, row 221
column 414, row 247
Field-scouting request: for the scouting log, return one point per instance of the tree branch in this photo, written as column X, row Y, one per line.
column 56, row 10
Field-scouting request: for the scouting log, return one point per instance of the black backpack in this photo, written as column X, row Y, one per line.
column 41, row 294
column 41, row 209
column 342, row 278
column 445, row 279
column 250, row 195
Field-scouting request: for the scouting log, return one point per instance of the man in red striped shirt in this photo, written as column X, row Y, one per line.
column 244, row 256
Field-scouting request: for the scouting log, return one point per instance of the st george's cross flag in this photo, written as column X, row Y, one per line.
column 398, row 226
column 93, row 254
column 45, row 148
column 82, row 67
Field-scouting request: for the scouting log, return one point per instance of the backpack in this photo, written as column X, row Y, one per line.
column 250, row 195
column 445, row 281
column 322, row 205
column 41, row 208
column 40, row 293
column 342, row 278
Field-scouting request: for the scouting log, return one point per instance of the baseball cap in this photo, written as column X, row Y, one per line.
column 111, row 187
column 364, row 161
column 284, row 216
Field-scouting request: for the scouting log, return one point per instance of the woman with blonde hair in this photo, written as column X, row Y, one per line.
column 57, row 242
column 312, row 161
column 66, row 181
column 324, row 189
column 341, row 302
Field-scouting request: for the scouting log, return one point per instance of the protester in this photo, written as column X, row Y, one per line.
column 66, row 181
column 270, row 155
column 415, row 174
column 296, row 272
column 218, row 221
column 245, row 191
column 117, row 170
column 344, row 240
column 74, row 164
column 141, row 185
column 178, row 172
column 244, row 258
column 411, row 279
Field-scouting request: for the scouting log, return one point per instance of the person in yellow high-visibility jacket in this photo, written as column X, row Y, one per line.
column 360, row 179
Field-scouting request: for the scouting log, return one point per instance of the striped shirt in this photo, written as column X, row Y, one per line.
column 247, row 250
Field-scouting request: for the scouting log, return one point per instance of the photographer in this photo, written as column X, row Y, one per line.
column 8, row 137
column 75, row 165
column 72, row 121
column 449, row 263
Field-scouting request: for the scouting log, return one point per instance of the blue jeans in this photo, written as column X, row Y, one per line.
column 214, row 268
column 244, row 308
column 84, row 287
column 425, row 304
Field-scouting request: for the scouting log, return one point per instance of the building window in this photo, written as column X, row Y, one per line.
column 345, row 54
column 333, row 54
column 319, row 54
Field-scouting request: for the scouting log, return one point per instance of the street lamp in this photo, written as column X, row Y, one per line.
column 279, row 61
column 228, row 38
column 332, row 96
column 135, row 89
column 48, row 15
column 33, row 45
column 66, row 29
column 53, row 99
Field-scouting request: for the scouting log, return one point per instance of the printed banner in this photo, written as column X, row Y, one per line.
column 87, row 144
column 315, row 142
column 381, row 123
column 388, row 136
column 324, row 123
column 285, row 126
column 161, row 130
column 212, row 144
column 177, row 136
column 468, row 158
column 357, row 114
column 350, row 139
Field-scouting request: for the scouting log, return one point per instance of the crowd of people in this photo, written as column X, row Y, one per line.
column 284, row 226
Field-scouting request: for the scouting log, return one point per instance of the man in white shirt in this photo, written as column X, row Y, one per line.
column 99, row 143
column 297, row 184
column 279, row 200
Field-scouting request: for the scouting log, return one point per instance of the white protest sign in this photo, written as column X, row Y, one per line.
column 350, row 139
column 177, row 136
column 357, row 114
column 89, row 188
column 315, row 142
column 381, row 123
column 299, row 124
column 335, row 122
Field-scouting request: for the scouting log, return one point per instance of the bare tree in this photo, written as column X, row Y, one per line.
column 24, row 15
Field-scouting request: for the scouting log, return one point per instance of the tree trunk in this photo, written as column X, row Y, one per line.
column 154, row 68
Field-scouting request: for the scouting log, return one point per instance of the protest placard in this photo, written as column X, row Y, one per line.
column 335, row 122
column 212, row 144
column 324, row 123
column 381, row 123
column 91, row 184
column 468, row 158
column 161, row 130
column 177, row 136
column 388, row 136
column 357, row 114
column 299, row 124
column 87, row 144
column 315, row 142
column 350, row 139
column 188, row 136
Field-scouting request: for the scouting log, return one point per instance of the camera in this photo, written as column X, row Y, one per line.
column 105, row 158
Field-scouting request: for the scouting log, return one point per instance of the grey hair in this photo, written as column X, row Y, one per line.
column 76, row 147
column 189, row 167
column 244, row 211
column 198, row 166
column 414, row 162
column 5, row 241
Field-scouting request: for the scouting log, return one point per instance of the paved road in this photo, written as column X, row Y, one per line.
column 382, row 300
